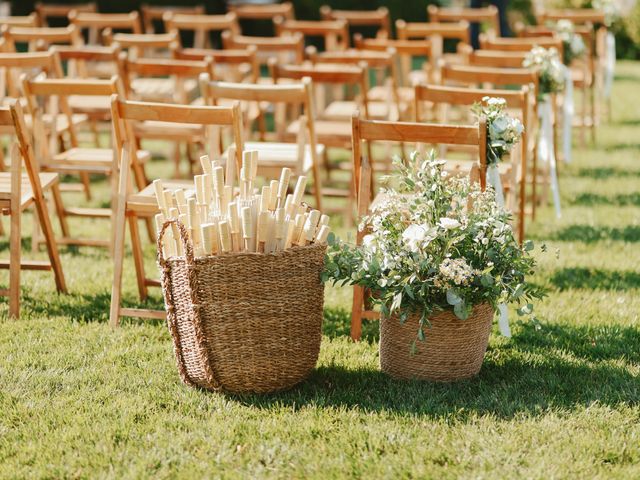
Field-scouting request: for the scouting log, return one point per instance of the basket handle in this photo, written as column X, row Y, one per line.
column 184, row 238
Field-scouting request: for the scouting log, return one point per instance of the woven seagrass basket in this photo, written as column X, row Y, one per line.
column 244, row 322
column 453, row 349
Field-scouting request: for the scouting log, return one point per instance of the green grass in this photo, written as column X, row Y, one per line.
column 558, row 400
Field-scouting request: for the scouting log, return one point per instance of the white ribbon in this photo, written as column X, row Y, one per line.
column 493, row 179
column 546, row 152
column 567, row 115
column 609, row 63
column 503, row 320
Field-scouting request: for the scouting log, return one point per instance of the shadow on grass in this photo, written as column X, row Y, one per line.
column 595, row 279
column 592, row 199
column 622, row 146
column 559, row 367
column 591, row 234
column 601, row 173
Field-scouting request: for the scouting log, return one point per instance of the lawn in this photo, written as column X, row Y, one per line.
column 558, row 400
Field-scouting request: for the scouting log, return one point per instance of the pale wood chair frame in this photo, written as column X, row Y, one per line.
column 516, row 99
column 487, row 15
column 15, row 200
column 151, row 13
column 356, row 18
column 41, row 38
column 334, row 32
column 201, row 25
column 232, row 57
column 266, row 11
column 31, row 21
column 62, row 10
column 296, row 94
column 95, row 23
column 129, row 205
column 373, row 130
column 268, row 47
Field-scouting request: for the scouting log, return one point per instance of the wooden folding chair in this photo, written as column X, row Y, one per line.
column 95, row 23
column 232, row 65
column 152, row 14
column 202, row 26
column 138, row 45
column 30, row 20
column 486, row 15
column 76, row 159
column 492, row 77
column 301, row 157
column 335, row 33
column 41, row 38
column 60, row 11
column 378, row 19
column 437, row 33
column 439, row 98
column 262, row 11
column 408, row 53
column 519, row 44
column 131, row 205
column 19, row 191
column 378, row 131
column 379, row 65
column 170, row 81
column 287, row 50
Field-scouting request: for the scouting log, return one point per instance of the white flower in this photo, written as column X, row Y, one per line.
column 417, row 236
column 449, row 223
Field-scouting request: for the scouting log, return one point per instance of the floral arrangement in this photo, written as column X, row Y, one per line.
column 549, row 66
column 435, row 243
column 504, row 131
column 573, row 44
column 609, row 7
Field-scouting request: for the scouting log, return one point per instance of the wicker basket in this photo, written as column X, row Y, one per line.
column 453, row 349
column 244, row 322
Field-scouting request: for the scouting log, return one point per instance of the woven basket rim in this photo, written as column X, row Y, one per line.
column 228, row 255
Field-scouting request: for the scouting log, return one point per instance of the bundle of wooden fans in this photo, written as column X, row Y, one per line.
column 221, row 219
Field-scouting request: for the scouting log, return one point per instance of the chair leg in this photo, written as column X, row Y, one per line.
column 138, row 259
column 59, row 207
column 52, row 246
column 86, row 183
column 356, row 313
column 118, row 261
column 14, row 263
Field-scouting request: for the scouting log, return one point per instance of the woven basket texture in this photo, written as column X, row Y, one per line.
column 245, row 322
column 453, row 349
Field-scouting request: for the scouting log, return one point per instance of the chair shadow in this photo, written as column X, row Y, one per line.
column 602, row 173
column 591, row 234
column 595, row 279
column 593, row 199
column 534, row 372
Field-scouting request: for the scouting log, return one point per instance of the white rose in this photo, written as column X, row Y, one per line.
column 449, row 223
column 417, row 236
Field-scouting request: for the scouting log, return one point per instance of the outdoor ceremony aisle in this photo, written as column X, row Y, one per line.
column 561, row 399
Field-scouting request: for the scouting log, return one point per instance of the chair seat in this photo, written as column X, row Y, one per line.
column 169, row 131
column 47, row 179
column 274, row 156
column 330, row 133
column 144, row 202
column 90, row 158
column 90, row 104
column 159, row 89
column 344, row 109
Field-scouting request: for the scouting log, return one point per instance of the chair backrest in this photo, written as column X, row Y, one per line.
column 334, row 32
column 519, row 44
column 181, row 70
column 378, row 18
column 288, row 49
column 201, row 25
column 495, row 58
column 152, row 14
column 228, row 64
column 424, row 133
column 297, row 94
column 488, row 15
column 50, row 95
column 408, row 51
column 30, row 20
column 125, row 114
column 267, row 11
column 60, row 11
column 41, row 38
column 497, row 77
column 447, row 31
column 343, row 75
column 95, row 23
column 33, row 63
column 142, row 44
column 79, row 59
column 579, row 16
